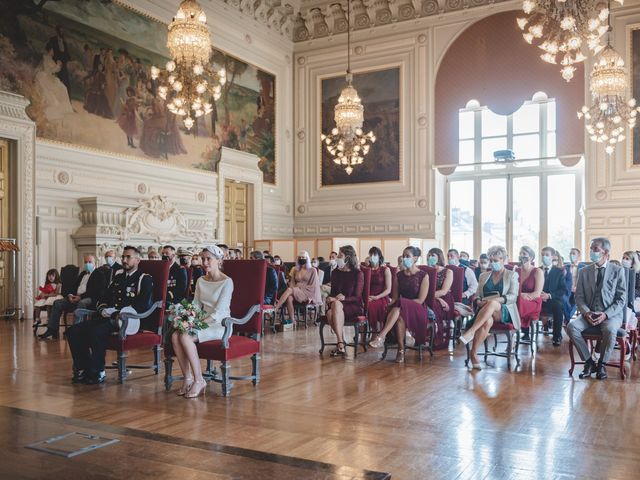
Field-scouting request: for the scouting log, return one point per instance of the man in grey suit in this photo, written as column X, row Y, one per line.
column 601, row 295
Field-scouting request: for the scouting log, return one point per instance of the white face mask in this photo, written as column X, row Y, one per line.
column 340, row 262
column 110, row 260
column 626, row 263
column 277, row 262
column 333, row 262
column 315, row 264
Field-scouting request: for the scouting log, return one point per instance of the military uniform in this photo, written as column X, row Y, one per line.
column 176, row 284
column 88, row 340
column 196, row 273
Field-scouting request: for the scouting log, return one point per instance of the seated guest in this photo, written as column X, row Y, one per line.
column 239, row 255
column 88, row 340
column 303, row 288
column 464, row 258
column 213, row 291
column 90, row 288
column 315, row 263
column 177, row 284
column 407, row 309
column 553, row 292
column 184, row 258
column 379, row 289
column 225, row 250
column 46, row 294
column 601, row 295
column 443, row 306
column 631, row 260
column 232, row 254
column 531, row 285
column 558, row 261
column 345, row 300
column 400, row 264
column 153, row 255
column 277, row 260
column 470, row 281
column 271, row 284
column 196, row 272
column 574, row 265
column 483, row 265
column 111, row 266
column 497, row 297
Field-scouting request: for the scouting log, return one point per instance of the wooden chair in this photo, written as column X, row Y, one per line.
column 358, row 323
column 391, row 341
column 151, row 323
column 243, row 329
column 457, row 289
column 592, row 336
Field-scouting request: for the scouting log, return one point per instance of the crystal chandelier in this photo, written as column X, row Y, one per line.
column 565, row 30
column 347, row 143
column 610, row 113
column 189, row 83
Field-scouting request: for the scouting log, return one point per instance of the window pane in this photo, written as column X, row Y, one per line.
column 551, row 144
column 466, row 125
column 551, row 116
column 527, row 118
column 466, row 151
column 561, row 212
column 494, row 212
column 492, row 124
column 461, row 215
column 526, row 146
column 490, row 145
column 526, row 213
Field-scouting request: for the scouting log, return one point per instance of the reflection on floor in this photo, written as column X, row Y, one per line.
column 430, row 419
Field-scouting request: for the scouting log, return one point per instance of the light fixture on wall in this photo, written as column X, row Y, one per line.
column 565, row 29
column 189, row 83
column 347, row 143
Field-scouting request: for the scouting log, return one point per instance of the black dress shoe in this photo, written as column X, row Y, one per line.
column 95, row 379
column 79, row 376
column 49, row 333
column 557, row 342
column 525, row 337
column 601, row 374
column 589, row 368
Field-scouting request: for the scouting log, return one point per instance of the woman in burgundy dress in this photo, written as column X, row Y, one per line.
column 408, row 310
column 379, row 290
column 345, row 300
column 443, row 307
column 531, row 284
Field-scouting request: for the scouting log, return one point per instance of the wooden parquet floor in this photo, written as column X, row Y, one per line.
column 422, row 420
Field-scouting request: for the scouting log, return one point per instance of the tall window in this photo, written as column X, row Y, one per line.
column 533, row 201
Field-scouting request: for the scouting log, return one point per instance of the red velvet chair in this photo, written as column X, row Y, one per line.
column 242, row 330
column 151, row 323
column 391, row 342
column 360, row 323
column 457, row 289
column 592, row 335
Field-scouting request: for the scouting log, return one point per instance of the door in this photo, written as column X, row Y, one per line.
column 236, row 214
column 5, row 257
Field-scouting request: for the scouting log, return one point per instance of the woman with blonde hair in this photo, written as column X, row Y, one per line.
column 631, row 260
column 303, row 286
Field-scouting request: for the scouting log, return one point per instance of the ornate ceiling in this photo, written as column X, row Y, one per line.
column 301, row 20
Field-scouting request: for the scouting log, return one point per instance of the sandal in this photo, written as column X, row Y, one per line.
column 337, row 352
column 186, row 386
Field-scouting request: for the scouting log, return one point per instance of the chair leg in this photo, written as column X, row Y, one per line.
column 255, row 364
column 486, row 349
column 573, row 360
column 226, row 385
column 532, row 336
column 509, row 349
column 622, row 343
column 517, row 348
column 432, row 335
column 122, row 366
column 156, row 359
column 321, row 332
column 364, row 335
column 384, row 352
column 168, row 367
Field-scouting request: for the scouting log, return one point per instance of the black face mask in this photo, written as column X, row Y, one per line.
column 302, row 262
column 165, row 257
column 183, row 261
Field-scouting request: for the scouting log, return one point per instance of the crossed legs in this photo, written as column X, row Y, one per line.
column 287, row 296
column 479, row 331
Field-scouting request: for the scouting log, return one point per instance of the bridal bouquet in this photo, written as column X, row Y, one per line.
column 187, row 317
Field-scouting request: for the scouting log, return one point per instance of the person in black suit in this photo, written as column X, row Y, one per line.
column 111, row 266
column 90, row 288
column 271, row 285
column 60, row 54
column 553, row 292
column 88, row 340
column 177, row 284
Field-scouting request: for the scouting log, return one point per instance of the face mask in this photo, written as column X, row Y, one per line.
column 89, row 267
column 453, row 261
column 277, row 262
column 574, row 257
column 595, row 256
column 432, row 261
column 340, row 262
column 407, row 262
column 496, row 266
column 626, row 263
column 314, row 264
column 333, row 262
column 110, row 261
column 184, row 261
column 302, row 262
column 165, row 257
column 523, row 259
column 546, row 261
column 484, row 265
column 232, row 256
column 374, row 259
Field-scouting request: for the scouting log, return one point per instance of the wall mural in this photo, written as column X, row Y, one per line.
column 635, row 88
column 380, row 93
column 85, row 67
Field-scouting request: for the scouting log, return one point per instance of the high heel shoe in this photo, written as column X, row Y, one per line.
column 377, row 342
column 400, row 356
column 197, row 388
column 186, row 386
column 338, row 352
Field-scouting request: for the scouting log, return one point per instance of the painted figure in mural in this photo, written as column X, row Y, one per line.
column 127, row 117
column 53, row 93
column 60, row 54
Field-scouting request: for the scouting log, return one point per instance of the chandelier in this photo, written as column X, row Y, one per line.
column 189, row 82
column 610, row 113
column 347, row 143
column 565, row 30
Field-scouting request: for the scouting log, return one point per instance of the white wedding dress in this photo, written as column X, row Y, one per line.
column 54, row 94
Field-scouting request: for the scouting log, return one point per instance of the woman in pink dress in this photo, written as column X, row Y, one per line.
column 304, row 286
column 345, row 300
column 531, row 284
column 379, row 290
column 443, row 307
column 408, row 310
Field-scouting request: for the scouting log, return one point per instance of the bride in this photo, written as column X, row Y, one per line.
column 55, row 97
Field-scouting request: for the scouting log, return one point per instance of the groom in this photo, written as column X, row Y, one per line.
column 601, row 295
